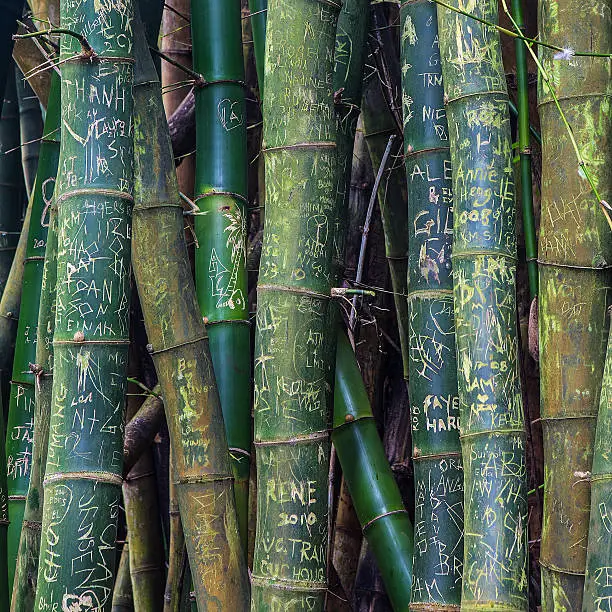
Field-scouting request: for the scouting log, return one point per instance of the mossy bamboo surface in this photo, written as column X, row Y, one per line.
column 182, row 359
column 294, row 349
column 575, row 257
column 21, row 416
column 144, row 531
column 221, row 224
column 597, row 588
column 484, row 279
column 438, row 470
column 30, row 128
column 82, row 485
column 371, row 483
column 11, row 179
column 26, row 572
column 123, row 600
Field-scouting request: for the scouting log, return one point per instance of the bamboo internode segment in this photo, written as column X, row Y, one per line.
column 182, row 357
column 32, row 340
column 434, row 401
column 484, row 279
column 375, row 493
column 221, row 223
column 91, row 319
column 575, row 255
column 295, row 349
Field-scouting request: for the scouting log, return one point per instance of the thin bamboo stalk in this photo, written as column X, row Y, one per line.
column 371, row 483
column 82, row 483
column 531, row 246
column 179, row 346
column 221, row 224
column 123, row 600
column 259, row 10
column 30, row 128
column 20, row 425
column 294, row 349
column 575, row 256
column 484, row 273
column 438, row 470
column 177, row 555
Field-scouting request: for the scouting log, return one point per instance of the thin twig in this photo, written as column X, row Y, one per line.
column 87, row 48
column 366, row 226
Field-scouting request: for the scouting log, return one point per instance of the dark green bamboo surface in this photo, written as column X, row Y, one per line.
column 20, row 425
column 575, row 257
column 434, row 402
column 371, row 483
column 82, row 485
column 484, row 278
column 597, row 587
column 26, row 572
column 11, row 179
column 295, row 351
column 179, row 345
column 220, row 226
column 31, row 129
column 378, row 126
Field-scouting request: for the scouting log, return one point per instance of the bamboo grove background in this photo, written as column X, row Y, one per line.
column 304, row 305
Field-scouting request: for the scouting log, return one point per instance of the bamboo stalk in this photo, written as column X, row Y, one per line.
column 371, row 483
column 531, row 246
column 597, row 590
column 30, row 128
column 180, row 351
column 294, row 350
column 144, row 530
column 94, row 197
column 177, row 555
column 20, row 431
column 575, row 256
column 220, row 224
column 123, row 600
column 438, row 470
column 259, row 10
column 484, row 271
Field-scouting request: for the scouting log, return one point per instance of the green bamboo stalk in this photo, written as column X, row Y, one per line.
column 144, row 530
column 294, row 352
column 123, row 600
column 438, row 470
column 31, row 129
column 21, row 417
column 484, row 279
column 180, row 351
column 597, row 589
column 259, row 10
column 82, row 483
column 221, row 223
column 11, row 181
column 531, row 246
column 26, row 572
column 575, row 256
column 371, row 483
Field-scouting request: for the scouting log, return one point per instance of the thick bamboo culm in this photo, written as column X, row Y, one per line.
column 484, row 279
column 438, row 469
column 179, row 346
column 294, row 347
column 575, row 272
column 94, row 186
column 221, row 224
column 22, row 459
